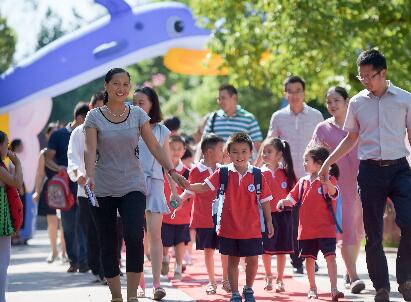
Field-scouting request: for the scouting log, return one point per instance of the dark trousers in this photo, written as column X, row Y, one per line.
column 93, row 244
column 131, row 208
column 376, row 183
column 76, row 243
column 296, row 260
column 120, row 237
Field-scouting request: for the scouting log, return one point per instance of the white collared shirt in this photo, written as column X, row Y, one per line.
column 232, row 168
column 75, row 156
column 381, row 123
column 297, row 130
column 201, row 167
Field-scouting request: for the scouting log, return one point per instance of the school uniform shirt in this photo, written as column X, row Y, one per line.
column 240, row 217
column 277, row 182
column 201, row 213
column 315, row 220
column 182, row 216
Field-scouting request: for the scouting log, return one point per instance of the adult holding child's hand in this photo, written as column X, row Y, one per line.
column 378, row 118
column 114, row 172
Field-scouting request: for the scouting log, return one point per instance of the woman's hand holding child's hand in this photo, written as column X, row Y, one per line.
column 180, row 180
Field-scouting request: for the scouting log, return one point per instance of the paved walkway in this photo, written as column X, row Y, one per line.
column 32, row 279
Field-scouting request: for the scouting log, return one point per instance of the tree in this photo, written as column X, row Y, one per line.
column 7, row 45
column 51, row 29
column 262, row 42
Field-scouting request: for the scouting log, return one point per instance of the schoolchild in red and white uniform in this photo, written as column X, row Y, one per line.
column 279, row 173
column 240, row 229
column 316, row 229
column 212, row 148
column 174, row 230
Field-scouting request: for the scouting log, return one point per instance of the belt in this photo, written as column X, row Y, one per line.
column 385, row 163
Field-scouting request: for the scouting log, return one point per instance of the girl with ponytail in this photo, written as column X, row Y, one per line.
column 316, row 227
column 279, row 172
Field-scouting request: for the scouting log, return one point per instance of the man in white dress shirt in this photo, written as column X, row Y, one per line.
column 77, row 172
column 295, row 124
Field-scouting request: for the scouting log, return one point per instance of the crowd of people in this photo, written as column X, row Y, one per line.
column 137, row 179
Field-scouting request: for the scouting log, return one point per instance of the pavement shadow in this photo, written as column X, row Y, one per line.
column 47, row 281
column 27, row 260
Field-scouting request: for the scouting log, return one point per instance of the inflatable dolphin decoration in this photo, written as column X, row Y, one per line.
column 125, row 37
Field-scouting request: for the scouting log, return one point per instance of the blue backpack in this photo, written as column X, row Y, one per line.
column 218, row 203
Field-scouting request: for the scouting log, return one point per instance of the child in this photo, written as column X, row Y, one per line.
column 317, row 229
column 201, row 219
column 240, row 229
column 280, row 180
column 174, row 231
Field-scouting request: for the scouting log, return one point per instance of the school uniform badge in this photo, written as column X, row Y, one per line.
column 284, row 185
column 251, row 188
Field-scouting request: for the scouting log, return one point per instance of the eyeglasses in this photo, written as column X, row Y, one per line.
column 294, row 92
column 367, row 78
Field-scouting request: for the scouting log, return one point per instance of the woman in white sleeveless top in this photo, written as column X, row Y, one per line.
column 156, row 204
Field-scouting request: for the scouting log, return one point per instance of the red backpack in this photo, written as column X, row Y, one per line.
column 58, row 194
column 15, row 205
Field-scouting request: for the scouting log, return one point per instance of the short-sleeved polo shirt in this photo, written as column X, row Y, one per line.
column 277, row 181
column 315, row 220
column 381, row 123
column 182, row 216
column 240, row 217
column 242, row 121
column 201, row 214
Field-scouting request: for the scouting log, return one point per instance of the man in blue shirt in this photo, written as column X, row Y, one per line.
column 231, row 118
column 56, row 159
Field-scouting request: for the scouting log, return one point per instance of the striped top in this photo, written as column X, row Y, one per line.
column 242, row 121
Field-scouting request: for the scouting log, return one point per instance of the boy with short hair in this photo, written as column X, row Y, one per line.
column 175, row 227
column 212, row 147
column 239, row 213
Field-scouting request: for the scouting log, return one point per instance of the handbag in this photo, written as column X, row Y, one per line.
column 15, row 206
column 6, row 226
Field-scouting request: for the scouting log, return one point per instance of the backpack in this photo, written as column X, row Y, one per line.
column 218, row 203
column 328, row 201
column 213, row 118
column 58, row 194
column 15, row 205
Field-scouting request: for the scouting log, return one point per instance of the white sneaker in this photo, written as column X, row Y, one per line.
column 357, row 286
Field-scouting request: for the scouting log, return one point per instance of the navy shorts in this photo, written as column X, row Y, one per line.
column 241, row 247
column 173, row 234
column 282, row 241
column 206, row 238
column 309, row 248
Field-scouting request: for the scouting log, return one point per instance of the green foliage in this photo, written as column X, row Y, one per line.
column 188, row 97
column 51, row 29
column 7, row 45
column 316, row 39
